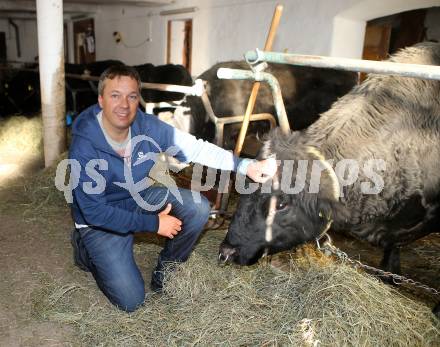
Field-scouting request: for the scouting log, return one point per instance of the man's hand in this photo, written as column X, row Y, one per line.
column 261, row 171
column 169, row 226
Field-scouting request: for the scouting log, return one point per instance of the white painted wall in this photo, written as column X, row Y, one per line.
column 28, row 39
column 349, row 25
column 177, row 41
column 28, row 28
column 134, row 25
column 222, row 29
column 226, row 29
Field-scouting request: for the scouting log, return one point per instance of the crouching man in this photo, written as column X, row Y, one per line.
column 106, row 144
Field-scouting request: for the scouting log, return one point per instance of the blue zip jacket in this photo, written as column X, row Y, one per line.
column 110, row 206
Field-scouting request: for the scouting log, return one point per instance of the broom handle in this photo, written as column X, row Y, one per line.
column 222, row 199
column 252, row 98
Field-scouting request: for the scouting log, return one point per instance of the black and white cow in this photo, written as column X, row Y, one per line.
column 379, row 150
column 167, row 74
column 20, row 89
column 306, row 92
column 80, row 94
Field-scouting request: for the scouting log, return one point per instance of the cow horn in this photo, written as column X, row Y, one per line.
column 331, row 173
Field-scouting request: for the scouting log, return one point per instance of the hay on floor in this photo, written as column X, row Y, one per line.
column 20, row 146
column 316, row 302
column 21, row 136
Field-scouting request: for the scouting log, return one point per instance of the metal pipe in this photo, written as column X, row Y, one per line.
column 17, row 36
column 347, row 64
column 52, row 85
column 235, row 74
column 196, row 89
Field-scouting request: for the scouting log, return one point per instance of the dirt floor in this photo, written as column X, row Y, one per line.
column 34, row 243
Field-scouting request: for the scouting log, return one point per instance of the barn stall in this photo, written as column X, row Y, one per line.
column 306, row 299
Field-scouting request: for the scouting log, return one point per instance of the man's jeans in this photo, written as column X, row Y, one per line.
column 111, row 259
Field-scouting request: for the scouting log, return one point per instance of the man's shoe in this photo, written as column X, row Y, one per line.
column 156, row 288
column 79, row 252
column 156, row 284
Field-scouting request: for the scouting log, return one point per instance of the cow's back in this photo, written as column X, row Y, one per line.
column 397, row 120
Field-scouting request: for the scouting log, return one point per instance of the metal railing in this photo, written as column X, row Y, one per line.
column 347, row 64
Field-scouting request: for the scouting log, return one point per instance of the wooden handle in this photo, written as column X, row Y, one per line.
column 273, row 27
column 253, row 97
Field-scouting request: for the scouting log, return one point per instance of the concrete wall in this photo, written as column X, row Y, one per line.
column 133, row 23
column 432, row 24
column 226, row 29
column 349, row 24
column 28, row 26
column 28, row 39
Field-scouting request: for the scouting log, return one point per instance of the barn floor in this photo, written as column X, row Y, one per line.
column 35, row 243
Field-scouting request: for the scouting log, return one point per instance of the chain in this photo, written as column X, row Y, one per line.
column 329, row 248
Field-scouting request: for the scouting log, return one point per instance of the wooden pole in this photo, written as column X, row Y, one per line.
column 253, row 97
column 221, row 202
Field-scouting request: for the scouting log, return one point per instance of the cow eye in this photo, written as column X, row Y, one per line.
column 281, row 206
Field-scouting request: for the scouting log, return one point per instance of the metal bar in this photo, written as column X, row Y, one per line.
column 235, row 74
column 196, row 89
column 83, row 77
column 254, row 117
column 208, row 108
column 17, row 36
column 368, row 66
column 189, row 90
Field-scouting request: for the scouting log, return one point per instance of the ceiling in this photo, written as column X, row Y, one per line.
column 122, row 2
column 26, row 9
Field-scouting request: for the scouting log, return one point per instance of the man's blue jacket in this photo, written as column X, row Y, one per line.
column 100, row 198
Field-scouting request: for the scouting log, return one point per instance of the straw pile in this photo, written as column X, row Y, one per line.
column 316, row 302
column 20, row 135
column 20, row 146
column 41, row 191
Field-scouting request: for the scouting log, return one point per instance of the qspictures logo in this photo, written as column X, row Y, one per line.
column 71, row 175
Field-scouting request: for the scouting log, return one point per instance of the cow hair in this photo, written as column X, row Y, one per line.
column 394, row 120
column 306, row 92
column 404, row 123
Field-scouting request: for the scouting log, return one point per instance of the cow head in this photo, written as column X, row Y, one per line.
column 299, row 217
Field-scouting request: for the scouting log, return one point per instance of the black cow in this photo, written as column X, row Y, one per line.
column 96, row 68
column 390, row 127
column 306, row 91
column 21, row 92
column 166, row 74
column 80, row 94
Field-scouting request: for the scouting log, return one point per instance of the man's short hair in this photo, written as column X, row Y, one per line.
column 118, row 71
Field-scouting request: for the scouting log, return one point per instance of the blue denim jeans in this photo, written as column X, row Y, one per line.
column 111, row 259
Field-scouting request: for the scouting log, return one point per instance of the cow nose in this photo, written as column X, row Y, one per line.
column 226, row 254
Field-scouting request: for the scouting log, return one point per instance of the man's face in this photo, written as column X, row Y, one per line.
column 119, row 101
